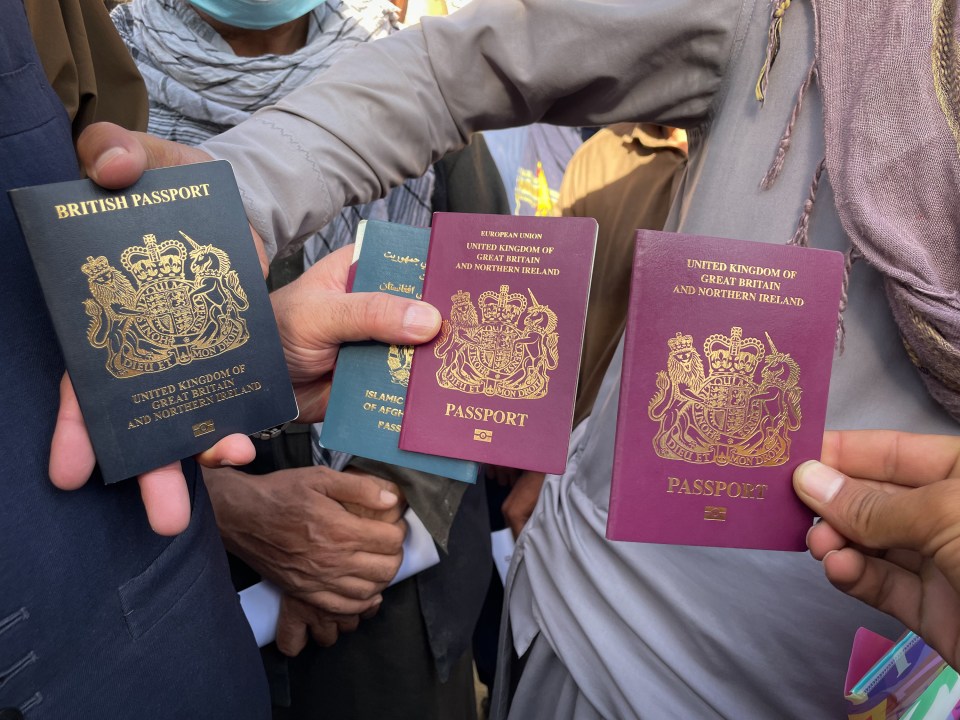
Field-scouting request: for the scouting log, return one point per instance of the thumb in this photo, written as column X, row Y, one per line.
column 361, row 490
column 115, row 157
column 351, row 317
column 862, row 512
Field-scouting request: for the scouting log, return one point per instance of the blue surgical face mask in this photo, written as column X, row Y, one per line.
column 256, row 14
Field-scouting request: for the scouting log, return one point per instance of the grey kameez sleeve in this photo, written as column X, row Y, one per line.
column 392, row 107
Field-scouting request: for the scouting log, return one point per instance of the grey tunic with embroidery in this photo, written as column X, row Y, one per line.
column 619, row 630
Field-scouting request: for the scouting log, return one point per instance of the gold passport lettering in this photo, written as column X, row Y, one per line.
column 181, row 306
column 728, row 415
column 507, row 351
column 716, row 488
column 498, row 417
column 124, row 202
column 384, row 397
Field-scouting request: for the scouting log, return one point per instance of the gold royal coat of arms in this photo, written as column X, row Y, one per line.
column 506, row 351
column 181, row 306
column 740, row 412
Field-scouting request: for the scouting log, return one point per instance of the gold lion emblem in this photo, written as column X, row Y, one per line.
column 506, row 351
column 728, row 415
column 181, row 306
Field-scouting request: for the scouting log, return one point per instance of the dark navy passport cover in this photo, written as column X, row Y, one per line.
column 369, row 389
column 161, row 310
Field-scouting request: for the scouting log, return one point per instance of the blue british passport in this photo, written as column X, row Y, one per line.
column 161, row 310
column 370, row 382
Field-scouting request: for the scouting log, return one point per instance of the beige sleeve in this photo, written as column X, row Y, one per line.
column 392, row 107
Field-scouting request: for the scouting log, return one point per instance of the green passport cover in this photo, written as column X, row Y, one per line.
column 161, row 310
column 370, row 383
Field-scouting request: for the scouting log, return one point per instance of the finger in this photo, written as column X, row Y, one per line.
column 364, row 490
column 348, row 623
column 115, row 157
column 890, row 456
column 364, row 575
column 229, row 451
column 350, row 317
column 879, row 583
column 912, row 519
column 371, row 612
column 166, row 499
column 822, row 539
column 336, row 604
column 391, row 515
column 291, row 630
column 382, row 482
column 387, row 318
column 909, row 560
column 71, row 454
column 373, row 537
column 324, row 632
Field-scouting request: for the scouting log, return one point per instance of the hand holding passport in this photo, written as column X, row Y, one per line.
column 169, row 286
column 315, row 315
column 184, row 306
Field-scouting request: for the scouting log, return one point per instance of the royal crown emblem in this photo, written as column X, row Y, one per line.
column 181, row 305
column 740, row 412
column 506, row 350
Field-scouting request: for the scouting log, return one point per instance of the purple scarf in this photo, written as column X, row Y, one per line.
column 889, row 74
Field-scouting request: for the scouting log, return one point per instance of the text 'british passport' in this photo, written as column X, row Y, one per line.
column 498, row 383
column 726, row 368
column 369, row 390
column 161, row 310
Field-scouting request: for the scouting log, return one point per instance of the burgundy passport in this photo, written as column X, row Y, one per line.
column 498, row 383
column 726, row 369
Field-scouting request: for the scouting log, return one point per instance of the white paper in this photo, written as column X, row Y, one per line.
column 502, row 544
column 261, row 605
column 419, row 550
column 261, row 602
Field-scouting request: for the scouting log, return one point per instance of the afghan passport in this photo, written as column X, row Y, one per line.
column 369, row 390
column 498, row 383
column 161, row 310
column 726, row 368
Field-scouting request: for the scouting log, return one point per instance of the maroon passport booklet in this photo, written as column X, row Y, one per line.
column 726, row 368
column 498, row 383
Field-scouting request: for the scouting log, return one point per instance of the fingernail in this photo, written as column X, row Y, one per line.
column 107, row 157
column 388, row 498
column 818, row 481
column 421, row 318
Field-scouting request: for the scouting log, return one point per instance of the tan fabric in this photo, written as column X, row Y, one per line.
column 625, row 177
column 82, row 56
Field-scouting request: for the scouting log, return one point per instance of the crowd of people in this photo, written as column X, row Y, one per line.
column 120, row 601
